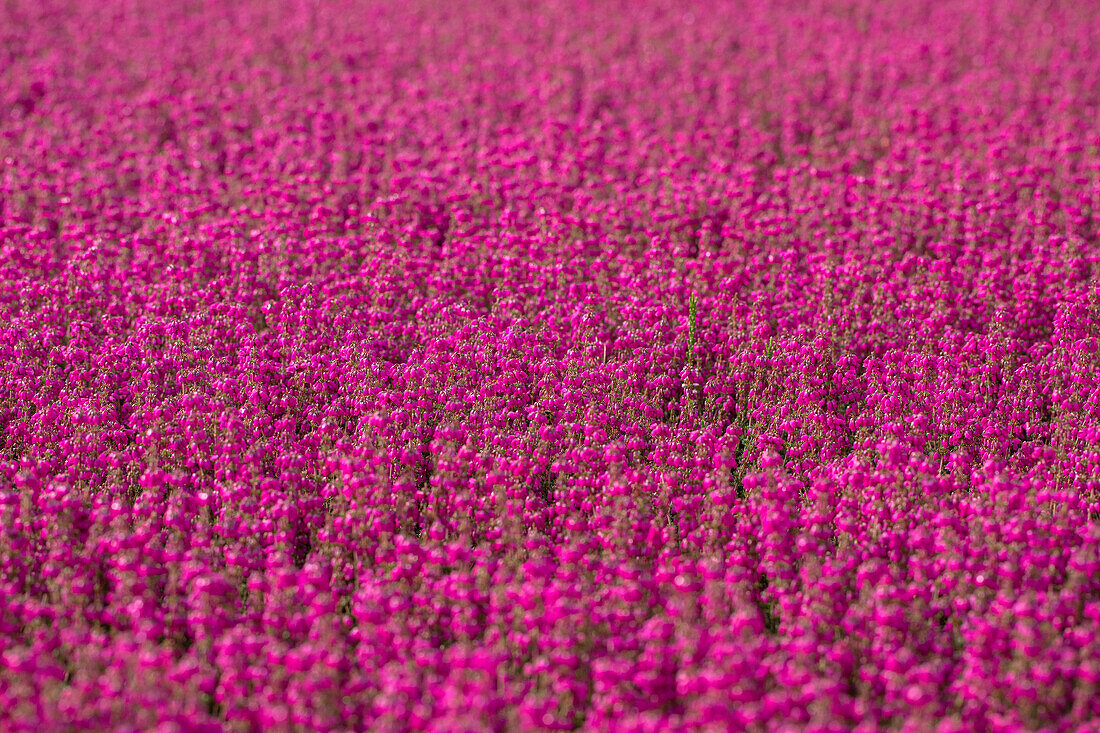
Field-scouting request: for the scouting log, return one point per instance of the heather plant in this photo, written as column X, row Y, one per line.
column 372, row 365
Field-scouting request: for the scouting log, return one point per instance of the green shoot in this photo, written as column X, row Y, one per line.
column 691, row 328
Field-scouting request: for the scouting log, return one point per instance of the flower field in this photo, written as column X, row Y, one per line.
column 650, row 365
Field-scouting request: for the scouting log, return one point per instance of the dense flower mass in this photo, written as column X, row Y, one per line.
column 563, row 365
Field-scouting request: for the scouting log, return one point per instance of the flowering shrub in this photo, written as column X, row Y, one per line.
column 578, row 364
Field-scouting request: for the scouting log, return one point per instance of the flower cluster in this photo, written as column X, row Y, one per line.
column 559, row 365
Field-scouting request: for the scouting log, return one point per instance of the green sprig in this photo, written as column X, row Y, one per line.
column 691, row 327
